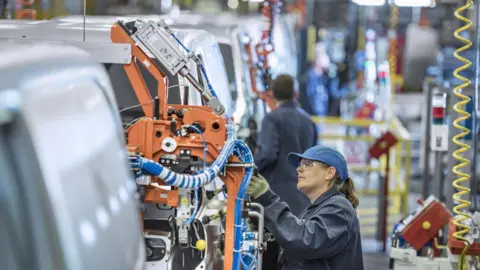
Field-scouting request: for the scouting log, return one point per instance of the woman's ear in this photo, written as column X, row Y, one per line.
column 331, row 172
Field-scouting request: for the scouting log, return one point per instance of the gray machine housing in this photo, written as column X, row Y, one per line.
column 67, row 194
column 200, row 42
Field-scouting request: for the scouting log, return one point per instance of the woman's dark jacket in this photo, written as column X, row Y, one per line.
column 326, row 236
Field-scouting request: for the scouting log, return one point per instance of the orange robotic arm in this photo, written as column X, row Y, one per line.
column 265, row 96
column 263, row 49
column 158, row 138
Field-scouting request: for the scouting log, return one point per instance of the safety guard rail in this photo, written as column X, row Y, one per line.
column 400, row 155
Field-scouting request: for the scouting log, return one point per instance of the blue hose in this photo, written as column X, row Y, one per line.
column 245, row 156
column 181, row 44
column 172, row 178
column 195, row 192
column 232, row 146
column 210, row 87
column 253, row 262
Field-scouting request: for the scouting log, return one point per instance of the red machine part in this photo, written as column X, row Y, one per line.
column 438, row 112
column 145, row 136
column 365, row 111
column 300, row 7
column 382, row 145
column 268, row 11
column 263, row 49
column 265, row 96
column 425, row 225
column 456, row 246
column 25, row 10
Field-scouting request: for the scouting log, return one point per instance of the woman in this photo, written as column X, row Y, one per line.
column 326, row 235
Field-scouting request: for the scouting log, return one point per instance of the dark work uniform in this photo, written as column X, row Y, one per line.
column 326, row 236
column 286, row 129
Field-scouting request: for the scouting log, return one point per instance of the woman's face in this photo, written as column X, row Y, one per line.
column 313, row 176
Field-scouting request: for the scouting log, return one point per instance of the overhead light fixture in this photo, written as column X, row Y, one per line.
column 369, row 2
column 415, row 3
column 233, row 4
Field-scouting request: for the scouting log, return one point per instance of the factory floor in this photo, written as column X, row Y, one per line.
column 373, row 256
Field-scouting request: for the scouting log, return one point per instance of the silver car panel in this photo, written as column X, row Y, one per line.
column 78, row 189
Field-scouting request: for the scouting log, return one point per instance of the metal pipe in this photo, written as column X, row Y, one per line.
column 426, row 146
column 258, row 206
column 438, row 175
column 241, row 165
column 212, row 101
column 260, row 236
column 202, row 207
column 197, row 85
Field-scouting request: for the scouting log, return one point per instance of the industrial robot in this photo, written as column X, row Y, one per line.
column 191, row 171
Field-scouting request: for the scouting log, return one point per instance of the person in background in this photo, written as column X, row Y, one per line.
column 286, row 129
column 326, row 236
column 323, row 85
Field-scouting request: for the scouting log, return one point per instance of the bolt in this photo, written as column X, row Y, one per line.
column 125, row 60
column 125, row 47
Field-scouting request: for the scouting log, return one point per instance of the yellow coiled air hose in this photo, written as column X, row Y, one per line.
column 463, row 115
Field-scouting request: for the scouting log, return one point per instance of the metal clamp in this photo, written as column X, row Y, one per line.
column 158, row 40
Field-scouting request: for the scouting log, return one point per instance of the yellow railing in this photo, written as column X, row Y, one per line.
column 400, row 167
column 359, row 122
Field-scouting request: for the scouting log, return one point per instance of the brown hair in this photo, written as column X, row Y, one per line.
column 347, row 187
column 283, row 87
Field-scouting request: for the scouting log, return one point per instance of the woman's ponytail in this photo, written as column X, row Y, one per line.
column 348, row 189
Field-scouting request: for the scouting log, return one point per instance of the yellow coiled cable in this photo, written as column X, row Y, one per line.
column 463, row 115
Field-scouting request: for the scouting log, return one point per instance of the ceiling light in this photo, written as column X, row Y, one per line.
column 233, row 4
column 369, row 2
column 415, row 3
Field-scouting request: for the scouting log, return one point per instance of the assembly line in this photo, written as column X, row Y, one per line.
column 252, row 139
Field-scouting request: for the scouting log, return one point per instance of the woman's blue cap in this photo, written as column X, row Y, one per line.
column 325, row 155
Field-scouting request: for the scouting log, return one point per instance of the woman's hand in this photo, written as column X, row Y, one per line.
column 258, row 186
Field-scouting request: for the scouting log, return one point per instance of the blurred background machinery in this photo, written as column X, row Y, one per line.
column 364, row 68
